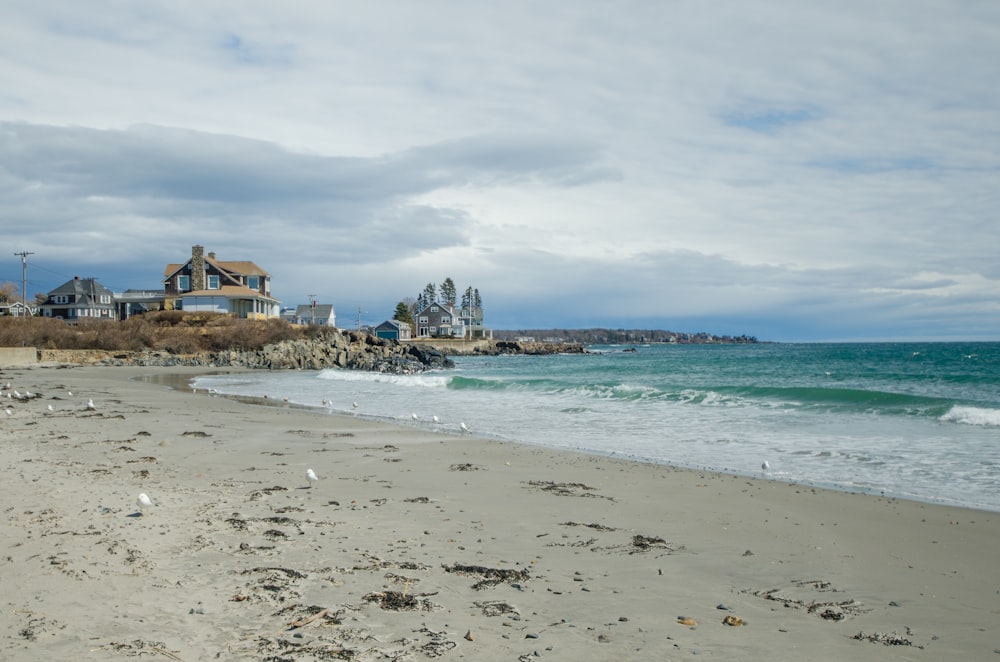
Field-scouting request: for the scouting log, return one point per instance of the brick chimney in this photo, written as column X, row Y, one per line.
column 197, row 268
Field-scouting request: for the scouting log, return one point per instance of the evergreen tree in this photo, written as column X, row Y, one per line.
column 448, row 292
column 477, row 302
column 467, row 298
column 403, row 314
column 430, row 294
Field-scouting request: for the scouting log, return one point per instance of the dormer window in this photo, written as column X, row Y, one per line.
column 434, row 309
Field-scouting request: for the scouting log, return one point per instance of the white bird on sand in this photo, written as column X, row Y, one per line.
column 69, row 393
column 144, row 503
column 414, row 416
column 765, row 466
column 90, row 404
column 465, row 428
column 311, row 477
column 354, row 405
column 51, row 408
column 10, row 412
column 435, row 419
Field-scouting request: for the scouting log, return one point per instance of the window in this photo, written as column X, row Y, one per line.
column 445, row 319
column 105, row 298
column 213, row 282
column 253, row 282
column 424, row 320
column 183, row 283
column 60, row 298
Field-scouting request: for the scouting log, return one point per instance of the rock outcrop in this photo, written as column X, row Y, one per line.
column 348, row 350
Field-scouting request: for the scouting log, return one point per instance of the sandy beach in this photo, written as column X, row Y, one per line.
column 415, row 545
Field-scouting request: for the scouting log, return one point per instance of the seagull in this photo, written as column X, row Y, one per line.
column 10, row 412
column 51, row 408
column 69, row 393
column 144, row 503
column 765, row 466
column 90, row 404
column 414, row 416
column 436, row 419
column 465, row 428
column 354, row 405
column 311, row 477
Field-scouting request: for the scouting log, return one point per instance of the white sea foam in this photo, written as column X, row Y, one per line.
column 432, row 380
column 973, row 416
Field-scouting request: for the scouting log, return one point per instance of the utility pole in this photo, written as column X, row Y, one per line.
column 24, row 279
column 312, row 307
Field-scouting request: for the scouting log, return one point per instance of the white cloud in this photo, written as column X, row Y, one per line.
column 798, row 170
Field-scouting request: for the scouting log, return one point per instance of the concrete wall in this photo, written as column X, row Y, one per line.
column 12, row 356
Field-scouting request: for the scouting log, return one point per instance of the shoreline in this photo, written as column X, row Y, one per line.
column 575, row 556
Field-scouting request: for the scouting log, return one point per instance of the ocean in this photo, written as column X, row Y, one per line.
column 917, row 421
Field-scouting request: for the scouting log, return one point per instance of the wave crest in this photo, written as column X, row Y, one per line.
column 973, row 416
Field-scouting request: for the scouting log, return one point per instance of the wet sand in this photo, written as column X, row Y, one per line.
column 416, row 545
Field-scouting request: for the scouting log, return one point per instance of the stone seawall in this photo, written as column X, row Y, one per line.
column 17, row 356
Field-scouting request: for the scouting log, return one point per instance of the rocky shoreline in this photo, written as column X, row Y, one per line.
column 347, row 350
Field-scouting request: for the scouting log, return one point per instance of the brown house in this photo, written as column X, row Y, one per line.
column 207, row 284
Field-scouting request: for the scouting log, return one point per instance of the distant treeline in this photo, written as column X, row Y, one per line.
column 614, row 336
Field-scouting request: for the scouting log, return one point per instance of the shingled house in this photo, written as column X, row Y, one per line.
column 207, row 284
column 79, row 298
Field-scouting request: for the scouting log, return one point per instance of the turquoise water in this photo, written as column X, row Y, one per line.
column 917, row 421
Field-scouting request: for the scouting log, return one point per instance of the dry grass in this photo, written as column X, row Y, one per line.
column 173, row 331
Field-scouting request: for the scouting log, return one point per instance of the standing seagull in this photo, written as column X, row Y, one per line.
column 311, row 477
column 765, row 466
column 465, row 428
column 144, row 503
column 90, row 405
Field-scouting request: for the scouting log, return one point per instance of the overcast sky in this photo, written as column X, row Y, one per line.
column 785, row 169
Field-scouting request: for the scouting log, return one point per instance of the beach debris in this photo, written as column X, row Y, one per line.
column 884, row 638
column 490, row 576
column 463, row 467
column 687, row 620
column 734, row 621
column 316, row 614
column 596, row 527
column 400, row 601
column 496, row 608
column 801, row 595
column 469, row 636
column 567, row 489
column 643, row 543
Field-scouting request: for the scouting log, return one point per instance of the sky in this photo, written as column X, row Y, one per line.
column 794, row 171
